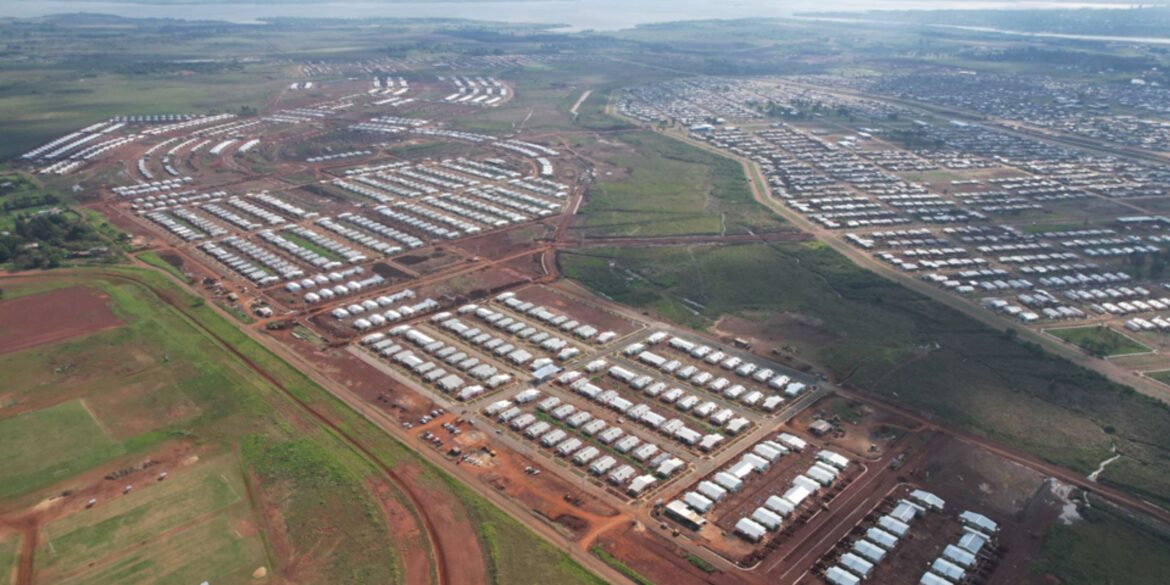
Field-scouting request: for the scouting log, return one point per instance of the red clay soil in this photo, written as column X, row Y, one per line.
column 585, row 312
column 451, row 528
column 416, row 565
column 53, row 316
column 26, row 526
column 658, row 559
column 548, row 494
column 366, row 381
column 503, row 243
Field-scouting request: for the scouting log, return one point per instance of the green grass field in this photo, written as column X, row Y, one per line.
column 673, row 189
column 198, row 510
column 45, row 445
column 1162, row 376
column 1099, row 340
column 152, row 258
column 877, row 336
column 1104, row 548
column 8, row 549
column 158, row 383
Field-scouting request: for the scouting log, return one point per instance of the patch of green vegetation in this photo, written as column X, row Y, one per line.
column 236, row 311
column 514, row 554
column 78, row 541
column 1162, row 376
column 1103, row 548
column 877, row 336
column 207, row 550
column 46, row 240
column 43, row 446
column 592, row 114
column 306, row 244
column 673, row 188
column 19, row 195
column 321, row 490
column 1099, row 340
column 9, row 546
column 309, row 335
column 700, row 563
column 153, row 259
column 430, row 149
column 620, row 566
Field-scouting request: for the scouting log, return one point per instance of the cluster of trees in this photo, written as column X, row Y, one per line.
column 44, row 241
column 29, row 201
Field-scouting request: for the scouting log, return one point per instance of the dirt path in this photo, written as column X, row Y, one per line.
column 580, row 100
column 26, row 526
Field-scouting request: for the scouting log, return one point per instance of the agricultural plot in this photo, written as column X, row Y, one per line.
column 202, row 509
column 49, row 444
column 118, row 409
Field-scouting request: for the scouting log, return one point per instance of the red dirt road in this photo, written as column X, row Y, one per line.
column 53, row 316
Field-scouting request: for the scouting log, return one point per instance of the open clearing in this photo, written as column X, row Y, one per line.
column 121, row 403
column 670, row 188
column 202, row 508
column 1104, row 547
column 1099, row 340
column 61, row 314
column 42, row 446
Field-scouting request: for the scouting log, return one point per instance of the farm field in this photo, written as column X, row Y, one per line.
column 1099, row 340
column 50, row 443
column 1162, row 376
column 202, row 509
column 136, row 421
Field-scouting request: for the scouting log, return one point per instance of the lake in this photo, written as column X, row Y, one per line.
column 574, row 14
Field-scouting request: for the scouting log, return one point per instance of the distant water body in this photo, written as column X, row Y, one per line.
column 575, row 15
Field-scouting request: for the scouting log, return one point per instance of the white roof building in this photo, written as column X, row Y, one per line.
column 750, row 529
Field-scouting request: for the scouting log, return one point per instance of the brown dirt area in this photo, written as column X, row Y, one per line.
column 54, row 316
column 769, row 330
column 503, row 243
column 657, row 558
column 416, row 564
column 582, row 311
column 859, row 430
column 453, row 532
